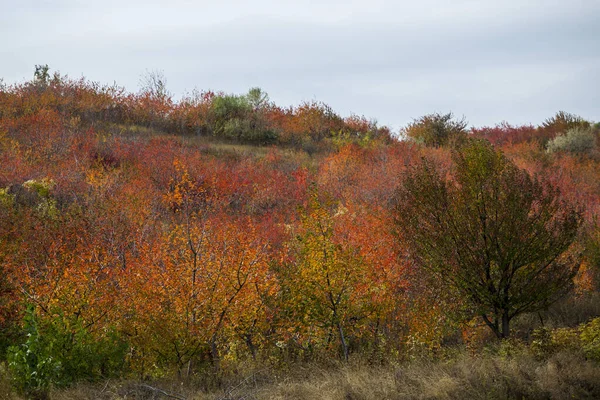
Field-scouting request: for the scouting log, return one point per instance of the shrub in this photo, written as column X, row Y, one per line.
column 563, row 121
column 42, row 187
column 590, row 338
column 241, row 118
column 33, row 367
column 592, row 254
column 507, row 348
column 566, row 339
column 236, row 128
column 578, row 140
column 542, row 345
column 228, row 108
column 6, row 199
column 60, row 352
column 436, row 130
column 547, row 342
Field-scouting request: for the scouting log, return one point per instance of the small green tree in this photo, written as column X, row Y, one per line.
column 41, row 75
column 59, row 351
column 327, row 286
column 230, row 113
column 241, row 117
column 33, row 365
column 436, row 129
column 493, row 233
column 257, row 98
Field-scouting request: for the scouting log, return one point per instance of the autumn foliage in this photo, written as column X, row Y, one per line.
column 198, row 233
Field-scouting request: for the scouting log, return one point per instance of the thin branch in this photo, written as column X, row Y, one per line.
column 173, row 396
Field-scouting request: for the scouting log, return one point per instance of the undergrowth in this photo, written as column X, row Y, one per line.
column 507, row 371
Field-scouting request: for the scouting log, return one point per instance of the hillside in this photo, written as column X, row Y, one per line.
column 202, row 240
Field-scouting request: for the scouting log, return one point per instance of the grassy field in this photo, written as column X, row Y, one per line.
column 506, row 372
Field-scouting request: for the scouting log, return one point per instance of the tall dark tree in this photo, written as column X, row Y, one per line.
column 490, row 231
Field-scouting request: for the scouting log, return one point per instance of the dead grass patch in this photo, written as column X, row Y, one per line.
column 489, row 376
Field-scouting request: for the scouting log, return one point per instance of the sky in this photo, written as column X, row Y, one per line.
column 518, row 61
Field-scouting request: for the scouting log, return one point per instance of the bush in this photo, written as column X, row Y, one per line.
column 563, row 121
column 33, row 367
column 592, row 254
column 240, row 118
column 547, row 342
column 590, row 338
column 61, row 352
column 436, row 130
column 6, row 199
column 235, row 128
column 578, row 140
column 230, row 114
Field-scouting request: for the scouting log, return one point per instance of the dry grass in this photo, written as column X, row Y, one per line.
column 571, row 311
column 349, row 382
column 562, row 376
column 6, row 392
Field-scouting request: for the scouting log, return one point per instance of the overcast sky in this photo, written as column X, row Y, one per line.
column 513, row 60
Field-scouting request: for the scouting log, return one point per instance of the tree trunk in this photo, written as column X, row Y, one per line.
column 492, row 325
column 505, row 325
column 189, row 370
column 214, row 355
column 343, row 341
column 251, row 346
